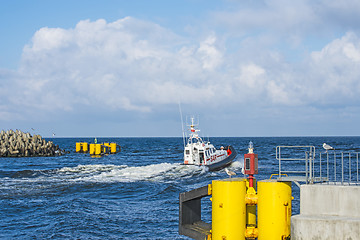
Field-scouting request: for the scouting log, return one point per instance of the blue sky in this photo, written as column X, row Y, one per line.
column 120, row 68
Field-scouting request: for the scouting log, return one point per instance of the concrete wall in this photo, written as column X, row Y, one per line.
column 338, row 200
column 327, row 212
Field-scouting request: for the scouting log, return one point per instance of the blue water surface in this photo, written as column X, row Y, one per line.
column 130, row 195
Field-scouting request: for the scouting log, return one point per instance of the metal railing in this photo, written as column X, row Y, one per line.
column 299, row 164
column 340, row 167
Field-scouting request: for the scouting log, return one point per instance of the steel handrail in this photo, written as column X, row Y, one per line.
column 314, row 169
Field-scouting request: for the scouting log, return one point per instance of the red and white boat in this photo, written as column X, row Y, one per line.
column 203, row 153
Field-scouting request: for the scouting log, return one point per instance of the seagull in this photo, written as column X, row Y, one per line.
column 230, row 173
column 327, row 147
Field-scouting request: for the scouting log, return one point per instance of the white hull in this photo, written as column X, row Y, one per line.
column 200, row 153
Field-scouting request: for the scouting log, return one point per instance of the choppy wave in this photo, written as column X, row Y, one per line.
column 109, row 173
column 102, row 173
column 153, row 172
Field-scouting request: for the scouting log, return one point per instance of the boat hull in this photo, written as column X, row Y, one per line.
column 227, row 161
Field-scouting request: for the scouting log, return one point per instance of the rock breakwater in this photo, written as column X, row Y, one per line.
column 20, row 144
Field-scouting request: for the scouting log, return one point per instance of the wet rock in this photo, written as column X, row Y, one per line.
column 19, row 144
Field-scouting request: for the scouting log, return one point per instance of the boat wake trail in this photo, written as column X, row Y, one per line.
column 163, row 172
column 113, row 173
column 238, row 163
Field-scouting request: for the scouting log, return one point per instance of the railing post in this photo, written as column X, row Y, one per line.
column 334, row 166
column 311, row 167
column 349, row 168
column 320, row 167
column 312, row 156
column 328, row 166
column 342, row 168
column 306, row 169
column 357, row 168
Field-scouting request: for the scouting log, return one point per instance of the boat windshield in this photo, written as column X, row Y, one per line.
column 195, row 140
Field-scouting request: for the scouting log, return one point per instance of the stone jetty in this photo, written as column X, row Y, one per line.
column 20, row 144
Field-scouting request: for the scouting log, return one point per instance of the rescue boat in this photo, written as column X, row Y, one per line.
column 203, row 153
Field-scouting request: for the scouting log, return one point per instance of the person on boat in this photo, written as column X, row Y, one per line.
column 95, row 141
column 222, row 150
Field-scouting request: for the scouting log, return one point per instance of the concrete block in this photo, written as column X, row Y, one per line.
column 333, row 200
column 306, row 227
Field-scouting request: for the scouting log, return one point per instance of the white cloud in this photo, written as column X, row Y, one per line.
column 343, row 49
column 351, row 52
column 48, row 39
column 252, row 76
column 128, row 64
column 334, row 72
column 139, row 66
column 290, row 25
column 96, row 63
column 210, row 55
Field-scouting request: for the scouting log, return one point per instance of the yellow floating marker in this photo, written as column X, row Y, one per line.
column 228, row 209
column 274, row 209
column 85, row 147
column 113, row 147
column 92, row 149
column 82, row 147
column 105, row 148
column 98, row 149
column 78, row 147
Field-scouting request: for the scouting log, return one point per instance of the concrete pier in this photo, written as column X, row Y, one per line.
column 327, row 212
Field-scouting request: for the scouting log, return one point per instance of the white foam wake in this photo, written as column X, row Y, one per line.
column 237, row 165
column 52, row 179
column 124, row 173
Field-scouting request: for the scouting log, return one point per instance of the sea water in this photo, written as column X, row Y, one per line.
column 133, row 194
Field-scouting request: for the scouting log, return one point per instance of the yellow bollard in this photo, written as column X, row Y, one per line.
column 92, row 149
column 274, row 209
column 106, row 148
column 113, row 147
column 85, row 147
column 78, row 147
column 97, row 149
column 228, row 209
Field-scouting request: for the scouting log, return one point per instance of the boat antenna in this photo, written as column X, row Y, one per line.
column 182, row 123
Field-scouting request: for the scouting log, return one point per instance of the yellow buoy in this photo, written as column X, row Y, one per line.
column 78, row 147
column 228, row 209
column 97, row 149
column 92, row 149
column 105, row 148
column 85, row 147
column 274, row 209
column 113, row 147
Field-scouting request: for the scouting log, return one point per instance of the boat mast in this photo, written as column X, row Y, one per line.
column 182, row 124
column 193, row 130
